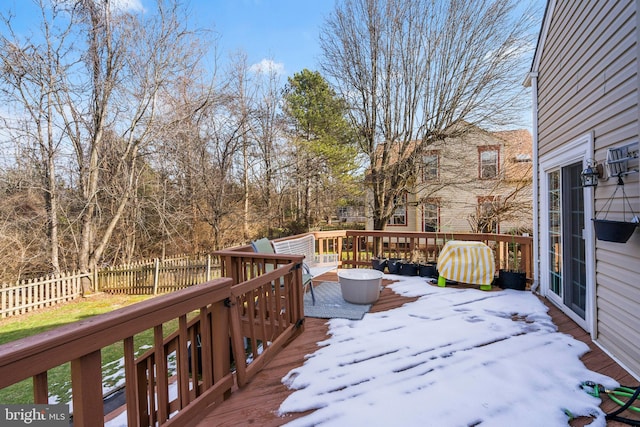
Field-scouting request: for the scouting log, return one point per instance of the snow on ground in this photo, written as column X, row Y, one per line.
column 454, row 357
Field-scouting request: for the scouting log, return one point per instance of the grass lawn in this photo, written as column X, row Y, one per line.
column 59, row 378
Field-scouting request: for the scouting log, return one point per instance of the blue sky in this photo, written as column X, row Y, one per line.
column 285, row 31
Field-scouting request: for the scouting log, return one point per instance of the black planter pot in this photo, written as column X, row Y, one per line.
column 379, row 263
column 614, row 231
column 408, row 269
column 509, row 279
column 393, row 265
column 428, row 270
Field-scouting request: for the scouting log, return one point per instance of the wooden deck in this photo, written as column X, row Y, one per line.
column 595, row 360
column 257, row 404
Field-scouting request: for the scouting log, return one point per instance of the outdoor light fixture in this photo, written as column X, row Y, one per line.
column 591, row 173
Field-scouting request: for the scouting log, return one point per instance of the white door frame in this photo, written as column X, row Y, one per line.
column 578, row 150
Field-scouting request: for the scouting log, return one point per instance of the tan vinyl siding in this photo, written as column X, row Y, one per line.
column 459, row 187
column 589, row 68
column 588, row 82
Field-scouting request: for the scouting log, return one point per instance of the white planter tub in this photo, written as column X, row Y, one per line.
column 360, row 286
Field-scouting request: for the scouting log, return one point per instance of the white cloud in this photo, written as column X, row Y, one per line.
column 128, row 5
column 267, row 66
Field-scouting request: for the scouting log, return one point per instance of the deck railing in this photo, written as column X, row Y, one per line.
column 221, row 324
column 228, row 329
column 271, row 305
column 356, row 248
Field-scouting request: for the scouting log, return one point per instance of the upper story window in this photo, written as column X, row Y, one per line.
column 488, row 161
column 430, row 163
column 430, row 215
column 399, row 216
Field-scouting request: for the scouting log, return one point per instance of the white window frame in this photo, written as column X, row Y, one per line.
column 436, row 204
column 580, row 149
column 482, row 164
column 400, row 212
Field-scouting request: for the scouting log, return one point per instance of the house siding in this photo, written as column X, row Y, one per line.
column 588, row 83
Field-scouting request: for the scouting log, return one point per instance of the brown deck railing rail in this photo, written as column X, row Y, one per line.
column 237, row 324
column 252, row 320
column 357, row 247
column 268, row 293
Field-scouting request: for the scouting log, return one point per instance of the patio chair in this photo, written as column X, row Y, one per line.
column 313, row 265
column 265, row 246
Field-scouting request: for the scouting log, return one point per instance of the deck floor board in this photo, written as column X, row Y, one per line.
column 257, row 404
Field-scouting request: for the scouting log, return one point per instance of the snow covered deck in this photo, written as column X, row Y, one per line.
column 259, row 403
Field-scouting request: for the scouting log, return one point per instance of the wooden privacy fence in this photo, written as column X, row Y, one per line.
column 156, row 277
column 28, row 295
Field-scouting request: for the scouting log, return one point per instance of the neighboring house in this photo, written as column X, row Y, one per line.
column 478, row 182
column 584, row 79
column 351, row 214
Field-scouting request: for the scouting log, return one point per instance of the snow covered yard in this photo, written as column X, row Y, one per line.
column 454, row 357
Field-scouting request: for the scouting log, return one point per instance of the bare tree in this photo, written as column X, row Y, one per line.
column 418, row 70
column 242, row 106
column 267, row 133
column 99, row 83
column 23, row 251
column 33, row 71
column 175, row 162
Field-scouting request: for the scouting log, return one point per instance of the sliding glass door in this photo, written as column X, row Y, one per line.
column 567, row 266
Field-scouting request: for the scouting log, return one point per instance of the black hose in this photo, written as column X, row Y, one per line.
column 614, row 415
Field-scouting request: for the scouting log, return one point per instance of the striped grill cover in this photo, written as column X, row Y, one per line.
column 467, row 262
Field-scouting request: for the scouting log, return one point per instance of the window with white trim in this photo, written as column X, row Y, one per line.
column 488, row 162
column 399, row 216
column 430, row 163
column 430, row 215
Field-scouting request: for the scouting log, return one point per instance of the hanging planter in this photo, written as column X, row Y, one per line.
column 616, row 231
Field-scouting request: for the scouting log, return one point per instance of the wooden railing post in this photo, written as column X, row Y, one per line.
column 162, row 382
column 40, row 388
column 131, row 391
column 221, row 341
column 86, row 380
